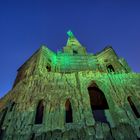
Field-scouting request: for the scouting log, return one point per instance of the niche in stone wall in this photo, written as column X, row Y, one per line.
column 133, row 107
column 68, row 113
column 39, row 112
column 75, row 52
column 98, row 103
column 48, row 67
column 4, row 112
column 110, row 68
column 12, row 105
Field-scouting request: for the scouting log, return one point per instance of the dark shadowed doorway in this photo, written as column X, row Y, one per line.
column 68, row 117
column 98, row 103
column 39, row 112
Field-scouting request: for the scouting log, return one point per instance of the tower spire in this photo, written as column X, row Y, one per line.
column 72, row 41
column 73, row 46
column 70, row 33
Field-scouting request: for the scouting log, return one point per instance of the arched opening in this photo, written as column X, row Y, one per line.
column 75, row 52
column 39, row 112
column 48, row 67
column 98, row 103
column 68, row 114
column 133, row 107
column 110, row 68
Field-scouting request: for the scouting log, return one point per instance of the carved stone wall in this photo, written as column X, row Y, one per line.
column 55, row 89
column 35, row 108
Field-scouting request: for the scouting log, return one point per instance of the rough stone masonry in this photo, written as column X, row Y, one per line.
column 72, row 95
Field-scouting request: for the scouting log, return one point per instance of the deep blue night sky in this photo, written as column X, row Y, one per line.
column 25, row 25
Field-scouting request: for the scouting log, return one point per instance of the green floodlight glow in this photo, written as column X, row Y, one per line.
column 66, row 60
column 54, row 59
column 70, row 34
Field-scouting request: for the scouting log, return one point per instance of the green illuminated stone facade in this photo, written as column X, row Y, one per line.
column 72, row 95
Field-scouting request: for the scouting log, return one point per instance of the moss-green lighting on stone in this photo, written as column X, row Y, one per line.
column 36, row 107
column 70, row 34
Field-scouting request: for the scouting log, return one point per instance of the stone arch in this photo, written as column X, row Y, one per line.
column 133, row 107
column 75, row 52
column 110, row 68
column 98, row 97
column 102, row 86
column 68, row 112
column 48, row 67
column 98, row 102
column 39, row 112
